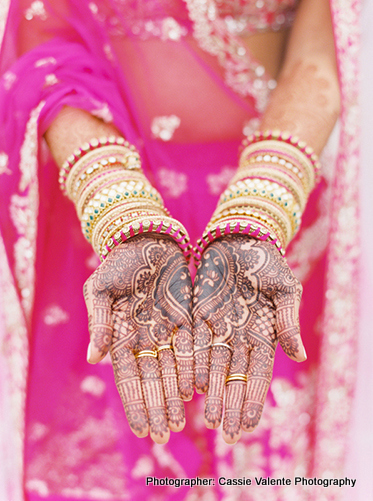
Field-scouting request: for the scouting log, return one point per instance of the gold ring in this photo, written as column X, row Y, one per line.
column 223, row 344
column 146, row 353
column 165, row 347
column 236, row 377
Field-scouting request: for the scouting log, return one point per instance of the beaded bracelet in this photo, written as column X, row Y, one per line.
column 288, row 138
column 266, row 197
column 91, row 145
column 113, row 198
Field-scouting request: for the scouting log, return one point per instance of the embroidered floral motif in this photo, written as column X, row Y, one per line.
column 93, row 385
column 4, row 163
column 55, row 315
column 103, row 112
column 36, row 9
column 242, row 72
column 14, row 362
column 4, row 6
column 174, row 183
column 172, row 30
column 143, row 467
column 218, row 182
column 8, row 80
column 164, row 127
column 24, row 211
column 50, row 80
column 45, row 61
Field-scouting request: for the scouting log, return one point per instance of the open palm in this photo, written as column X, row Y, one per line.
column 246, row 300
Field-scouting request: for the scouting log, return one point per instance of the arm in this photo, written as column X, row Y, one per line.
column 246, row 297
column 138, row 299
column 306, row 101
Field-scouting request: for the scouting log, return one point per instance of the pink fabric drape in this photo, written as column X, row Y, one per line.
column 158, row 70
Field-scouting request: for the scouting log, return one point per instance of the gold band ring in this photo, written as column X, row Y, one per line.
column 164, row 347
column 146, row 353
column 236, row 377
column 223, row 344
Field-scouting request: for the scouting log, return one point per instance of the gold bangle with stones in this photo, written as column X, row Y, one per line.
column 105, row 179
column 106, row 232
column 112, row 177
column 161, row 225
column 266, row 226
column 283, row 139
column 119, row 215
column 284, row 155
column 285, row 163
column 256, row 205
column 284, row 206
column 107, row 146
column 108, row 197
column 275, row 176
column 271, row 175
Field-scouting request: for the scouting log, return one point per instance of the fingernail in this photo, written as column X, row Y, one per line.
column 304, row 353
column 89, row 353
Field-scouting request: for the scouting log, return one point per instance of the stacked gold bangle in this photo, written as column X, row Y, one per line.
column 268, row 194
column 113, row 198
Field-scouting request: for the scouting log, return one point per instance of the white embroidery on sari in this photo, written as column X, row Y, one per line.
column 4, row 163
column 174, row 183
column 24, row 211
column 8, row 79
column 93, row 385
column 14, row 367
column 144, row 466
column 45, row 61
column 103, row 111
column 172, row 30
column 243, row 73
column 50, row 80
column 55, row 315
column 75, row 473
column 36, row 9
column 164, row 127
column 217, row 182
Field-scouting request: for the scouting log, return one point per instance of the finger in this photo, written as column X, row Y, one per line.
column 202, row 335
column 287, row 324
column 174, row 404
column 183, row 349
column 127, row 379
column 100, row 322
column 259, row 378
column 154, row 399
column 235, row 394
column 220, row 358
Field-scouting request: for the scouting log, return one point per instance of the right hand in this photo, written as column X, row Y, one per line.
column 139, row 299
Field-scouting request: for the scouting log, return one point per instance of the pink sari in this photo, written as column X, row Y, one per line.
column 171, row 76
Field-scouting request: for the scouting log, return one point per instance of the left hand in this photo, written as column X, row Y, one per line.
column 246, row 298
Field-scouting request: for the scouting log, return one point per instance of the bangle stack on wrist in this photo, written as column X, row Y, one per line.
column 269, row 192
column 113, row 198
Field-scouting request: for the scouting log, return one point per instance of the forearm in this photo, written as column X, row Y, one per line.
column 306, row 101
column 73, row 127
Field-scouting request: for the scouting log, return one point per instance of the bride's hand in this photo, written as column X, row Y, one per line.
column 139, row 308
column 246, row 299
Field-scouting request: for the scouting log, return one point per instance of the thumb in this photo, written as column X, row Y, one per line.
column 287, row 324
column 100, row 322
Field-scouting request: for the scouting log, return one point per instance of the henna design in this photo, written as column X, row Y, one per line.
column 137, row 298
column 174, row 406
column 247, row 294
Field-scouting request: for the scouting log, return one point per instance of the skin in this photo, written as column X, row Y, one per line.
column 139, row 299
column 306, row 103
column 245, row 296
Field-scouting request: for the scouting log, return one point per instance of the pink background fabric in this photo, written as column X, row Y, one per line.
column 68, row 414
